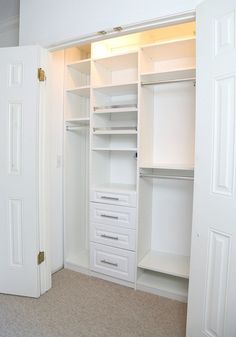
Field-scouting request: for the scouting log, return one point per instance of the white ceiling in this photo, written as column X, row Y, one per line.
column 9, row 8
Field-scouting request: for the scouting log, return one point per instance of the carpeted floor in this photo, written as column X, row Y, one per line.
column 82, row 306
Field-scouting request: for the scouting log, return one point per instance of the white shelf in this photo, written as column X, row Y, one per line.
column 115, row 149
column 115, row 110
column 78, row 120
column 119, row 61
column 119, row 188
column 177, row 74
column 80, row 91
column 118, row 89
column 115, row 132
column 158, row 50
column 172, row 264
column 83, row 66
column 163, row 285
column 165, row 43
column 167, row 166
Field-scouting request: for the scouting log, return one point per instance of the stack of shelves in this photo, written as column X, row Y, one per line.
column 114, row 145
column 166, row 166
column 77, row 150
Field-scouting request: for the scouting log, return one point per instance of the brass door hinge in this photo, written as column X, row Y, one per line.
column 41, row 257
column 41, row 75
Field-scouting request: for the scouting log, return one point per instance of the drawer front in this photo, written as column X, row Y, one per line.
column 123, row 199
column 113, row 262
column 113, row 215
column 113, row 236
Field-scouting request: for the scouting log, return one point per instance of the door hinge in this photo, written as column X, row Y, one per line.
column 41, row 257
column 41, row 75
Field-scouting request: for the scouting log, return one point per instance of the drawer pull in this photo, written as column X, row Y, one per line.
column 109, row 198
column 110, row 216
column 109, row 237
column 110, row 263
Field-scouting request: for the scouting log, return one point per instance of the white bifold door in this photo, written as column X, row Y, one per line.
column 212, row 291
column 23, row 232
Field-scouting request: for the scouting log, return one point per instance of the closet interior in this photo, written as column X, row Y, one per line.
column 129, row 115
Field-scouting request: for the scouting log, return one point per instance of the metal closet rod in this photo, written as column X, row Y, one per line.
column 159, row 176
column 192, row 79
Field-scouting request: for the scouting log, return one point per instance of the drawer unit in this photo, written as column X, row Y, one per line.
column 113, row 236
column 113, row 215
column 114, row 198
column 113, row 262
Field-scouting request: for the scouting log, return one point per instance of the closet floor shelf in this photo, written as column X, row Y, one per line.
column 172, row 264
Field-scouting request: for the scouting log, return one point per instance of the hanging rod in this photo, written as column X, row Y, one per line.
column 170, row 81
column 71, row 127
column 158, row 176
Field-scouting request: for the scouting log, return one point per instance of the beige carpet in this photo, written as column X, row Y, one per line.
column 82, row 306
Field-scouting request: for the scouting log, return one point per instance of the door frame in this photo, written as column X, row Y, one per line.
column 174, row 19
column 44, row 177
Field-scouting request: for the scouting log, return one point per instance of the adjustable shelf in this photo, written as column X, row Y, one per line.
column 119, row 61
column 83, row 66
column 115, row 187
column 83, row 120
column 118, row 89
column 172, row 264
column 174, row 76
column 115, row 131
column 83, row 91
column 111, row 110
column 115, row 149
column 168, row 166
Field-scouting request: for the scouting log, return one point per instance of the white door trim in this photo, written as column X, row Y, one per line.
column 127, row 29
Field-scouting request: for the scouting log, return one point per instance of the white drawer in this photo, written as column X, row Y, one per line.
column 113, row 236
column 113, row 262
column 114, row 198
column 113, row 215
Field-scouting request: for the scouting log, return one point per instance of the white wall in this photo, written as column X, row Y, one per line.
column 9, row 32
column 65, row 20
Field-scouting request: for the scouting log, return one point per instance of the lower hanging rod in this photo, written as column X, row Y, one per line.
column 158, row 176
column 192, row 79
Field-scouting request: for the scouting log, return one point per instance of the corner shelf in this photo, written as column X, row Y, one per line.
column 172, row 264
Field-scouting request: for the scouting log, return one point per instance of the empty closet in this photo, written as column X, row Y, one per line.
column 129, row 129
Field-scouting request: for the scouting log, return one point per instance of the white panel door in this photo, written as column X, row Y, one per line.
column 19, row 172
column 212, row 295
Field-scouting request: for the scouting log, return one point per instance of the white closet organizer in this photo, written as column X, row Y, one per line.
column 129, row 159
column 76, row 154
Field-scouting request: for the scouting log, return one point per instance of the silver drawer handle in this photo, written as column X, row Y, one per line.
column 110, row 263
column 109, row 198
column 110, row 216
column 109, row 237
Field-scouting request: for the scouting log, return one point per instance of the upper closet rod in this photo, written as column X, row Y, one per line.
column 170, row 81
column 159, row 176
